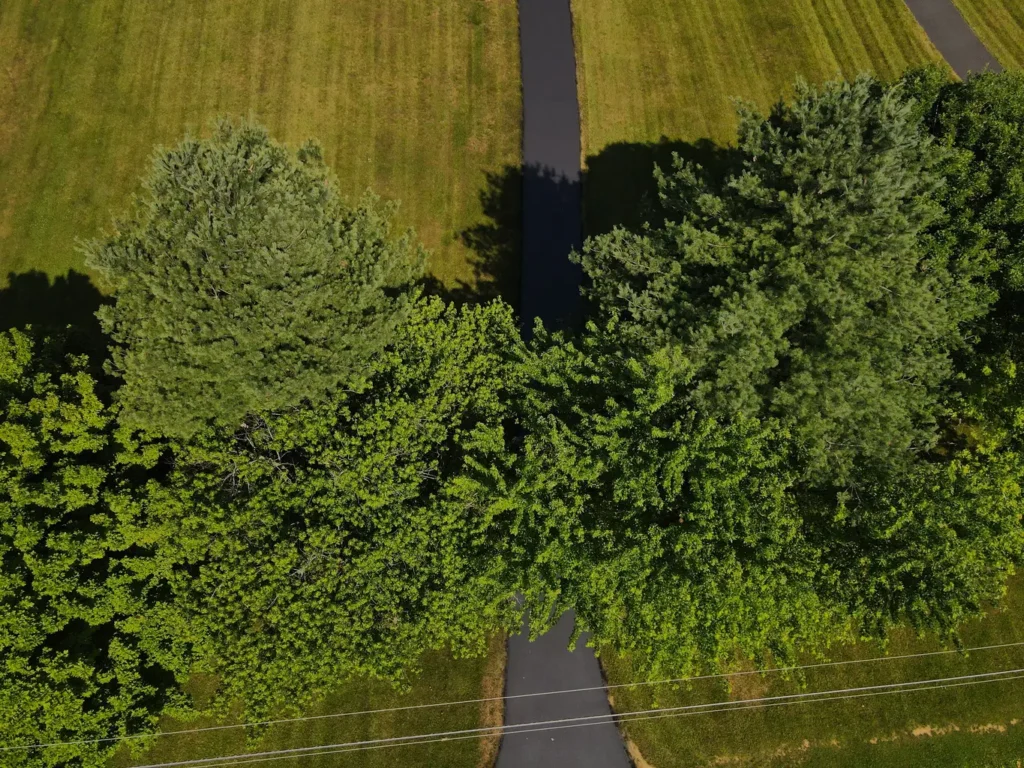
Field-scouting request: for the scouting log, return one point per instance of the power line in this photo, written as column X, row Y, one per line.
column 511, row 729
column 631, row 720
column 433, row 705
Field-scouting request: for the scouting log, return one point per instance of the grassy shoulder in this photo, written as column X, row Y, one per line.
column 1000, row 25
column 650, row 68
column 976, row 725
column 443, row 679
column 416, row 99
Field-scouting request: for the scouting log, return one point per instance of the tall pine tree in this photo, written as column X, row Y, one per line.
column 799, row 286
column 245, row 283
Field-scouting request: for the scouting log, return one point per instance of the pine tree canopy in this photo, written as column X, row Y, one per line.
column 798, row 286
column 244, row 283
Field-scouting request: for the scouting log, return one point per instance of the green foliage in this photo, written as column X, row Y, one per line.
column 70, row 599
column 794, row 418
column 931, row 546
column 798, row 286
column 688, row 540
column 981, row 121
column 669, row 532
column 246, row 284
column 347, row 537
column 762, row 443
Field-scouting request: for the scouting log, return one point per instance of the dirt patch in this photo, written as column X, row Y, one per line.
column 989, row 728
column 492, row 713
column 635, row 755
column 781, row 753
column 931, row 730
column 747, row 684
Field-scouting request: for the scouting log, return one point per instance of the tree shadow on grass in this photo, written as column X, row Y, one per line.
column 619, row 188
column 64, row 306
column 495, row 244
column 498, row 242
column 521, row 252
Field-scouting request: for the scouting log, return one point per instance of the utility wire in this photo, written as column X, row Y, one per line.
column 911, row 685
column 433, row 705
column 631, row 720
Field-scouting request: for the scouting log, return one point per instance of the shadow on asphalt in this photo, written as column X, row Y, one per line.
column 552, row 230
column 521, row 252
column 619, row 185
column 534, row 222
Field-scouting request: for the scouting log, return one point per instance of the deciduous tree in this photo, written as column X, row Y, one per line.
column 321, row 541
column 71, row 599
column 671, row 533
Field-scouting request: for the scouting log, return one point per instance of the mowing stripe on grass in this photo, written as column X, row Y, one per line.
column 1000, row 25
column 416, row 99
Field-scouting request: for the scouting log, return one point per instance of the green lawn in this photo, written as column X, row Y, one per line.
column 972, row 726
column 1000, row 25
column 443, row 679
column 417, row 99
column 653, row 68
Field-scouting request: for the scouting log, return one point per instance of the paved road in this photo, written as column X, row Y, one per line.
column 552, row 208
column 546, row 665
column 953, row 37
column 552, row 227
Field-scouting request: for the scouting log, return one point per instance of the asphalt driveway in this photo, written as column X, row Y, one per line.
column 954, row 38
column 552, row 228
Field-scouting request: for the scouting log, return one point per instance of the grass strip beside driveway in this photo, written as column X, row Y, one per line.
column 1000, row 25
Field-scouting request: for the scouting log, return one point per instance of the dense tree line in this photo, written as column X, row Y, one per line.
column 823, row 293
column 792, row 418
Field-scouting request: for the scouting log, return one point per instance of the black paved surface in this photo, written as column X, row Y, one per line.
column 546, row 665
column 552, row 227
column 953, row 36
column 552, row 213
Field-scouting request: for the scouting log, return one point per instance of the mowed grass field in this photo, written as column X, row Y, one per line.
column 669, row 68
column 974, row 726
column 415, row 99
column 1000, row 25
column 443, row 679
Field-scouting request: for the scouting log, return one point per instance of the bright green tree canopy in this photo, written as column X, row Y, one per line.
column 71, row 667
column 347, row 537
column 672, row 535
